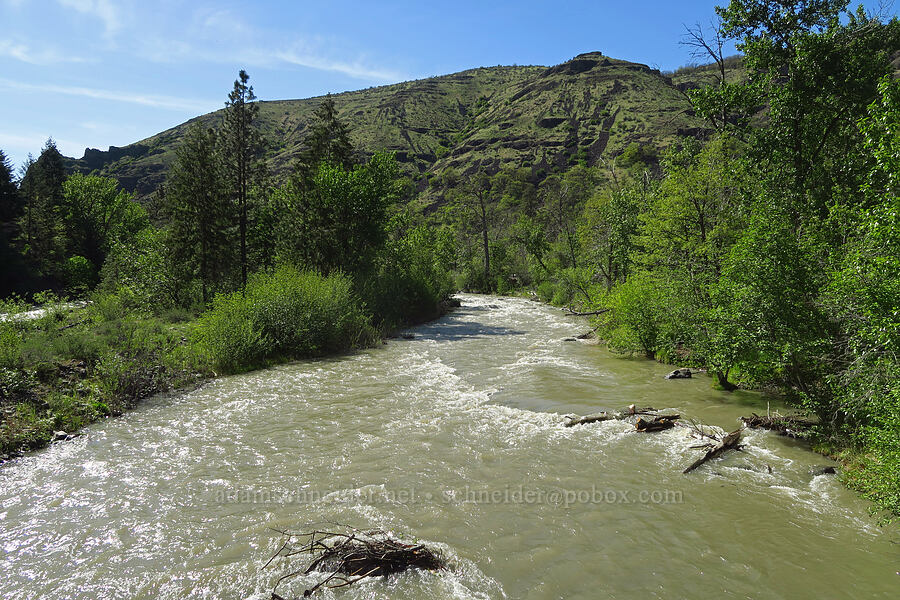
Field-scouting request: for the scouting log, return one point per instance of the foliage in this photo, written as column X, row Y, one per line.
column 412, row 276
column 41, row 227
column 337, row 221
column 284, row 314
column 240, row 147
column 143, row 269
column 97, row 215
column 327, row 142
column 637, row 319
column 199, row 212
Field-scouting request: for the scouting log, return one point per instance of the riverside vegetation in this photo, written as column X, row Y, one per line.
column 758, row 239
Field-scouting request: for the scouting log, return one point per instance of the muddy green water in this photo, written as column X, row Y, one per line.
column 456, row 438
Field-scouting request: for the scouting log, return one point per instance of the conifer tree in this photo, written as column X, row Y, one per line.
column 240, row 146
column 42, row 227
column 328, row 141
column 10, row 201
column 199, row 211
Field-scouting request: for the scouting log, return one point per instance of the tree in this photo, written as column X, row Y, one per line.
column 564, row 197
column 328, row 141
column 10, row 200
column 199, row 211
column 815, row 75
column 98, row 214
column 607, row 229
column 473, row 207
column 240, row 145
column 41, row 226
column 338, row 219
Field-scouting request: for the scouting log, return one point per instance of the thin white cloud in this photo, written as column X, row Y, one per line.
column 356, row 70
column 156, row 101
column 223, row 23
column 46, row 56
column 104, row 10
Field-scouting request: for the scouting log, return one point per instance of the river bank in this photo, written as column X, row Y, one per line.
column 70, row 364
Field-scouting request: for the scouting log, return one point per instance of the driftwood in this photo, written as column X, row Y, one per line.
column 350, row 555
column 574, row 313
column 728, row 442
column 594, row 418
column 631, row 411
column 794, row 427
column 657, row 423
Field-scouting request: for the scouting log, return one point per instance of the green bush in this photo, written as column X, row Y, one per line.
column 79, row 274
column 412, row 278
column 284, row 314
column 546, row 290
column 636, row 322
column 10, row 345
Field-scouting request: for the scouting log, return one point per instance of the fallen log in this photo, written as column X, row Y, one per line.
column 594, row 418
column 729, row 442
column 631, row 411
column 657, row 423
column 574, row 313
column 793, row 427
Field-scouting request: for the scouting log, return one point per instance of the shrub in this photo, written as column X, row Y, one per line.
column 637, row 318
column 10, row 345
column 412, row 278
column 546, row 290
column 284, row 314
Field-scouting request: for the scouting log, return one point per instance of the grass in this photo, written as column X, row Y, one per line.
column 73, row 366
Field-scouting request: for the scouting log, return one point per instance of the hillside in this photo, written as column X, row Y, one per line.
column 545, row 119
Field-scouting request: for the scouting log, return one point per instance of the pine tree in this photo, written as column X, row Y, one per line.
column 42, row 226
column 240, row 146
column 199, row 211
column 328, row 141
column 10, row 201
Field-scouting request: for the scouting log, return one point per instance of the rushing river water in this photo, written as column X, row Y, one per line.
column 454, row 437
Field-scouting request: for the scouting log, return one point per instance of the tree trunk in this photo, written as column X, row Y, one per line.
column 484, row 239
column 729, row 442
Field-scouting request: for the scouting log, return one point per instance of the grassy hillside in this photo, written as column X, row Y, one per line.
column 587, row 109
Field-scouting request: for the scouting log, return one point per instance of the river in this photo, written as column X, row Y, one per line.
column 454, row 437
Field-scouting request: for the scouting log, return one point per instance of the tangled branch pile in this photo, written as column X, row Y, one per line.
column 791, row 426
column 352, row 555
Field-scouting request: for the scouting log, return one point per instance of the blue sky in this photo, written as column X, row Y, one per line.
column 94, row 73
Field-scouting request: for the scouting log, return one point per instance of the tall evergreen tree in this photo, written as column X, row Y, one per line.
column 241, row 145
column 42, row 226
column 10, row 201
column 199, row 210
column 328, row 141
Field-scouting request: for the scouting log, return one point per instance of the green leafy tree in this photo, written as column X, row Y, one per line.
column 241, row 145
column 814, row 66
column 98, row 214
column 199, row 211
column 337, row 220
column 473, row 213
column 608, row 228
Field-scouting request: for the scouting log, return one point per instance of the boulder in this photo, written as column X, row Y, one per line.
column 823, row 470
